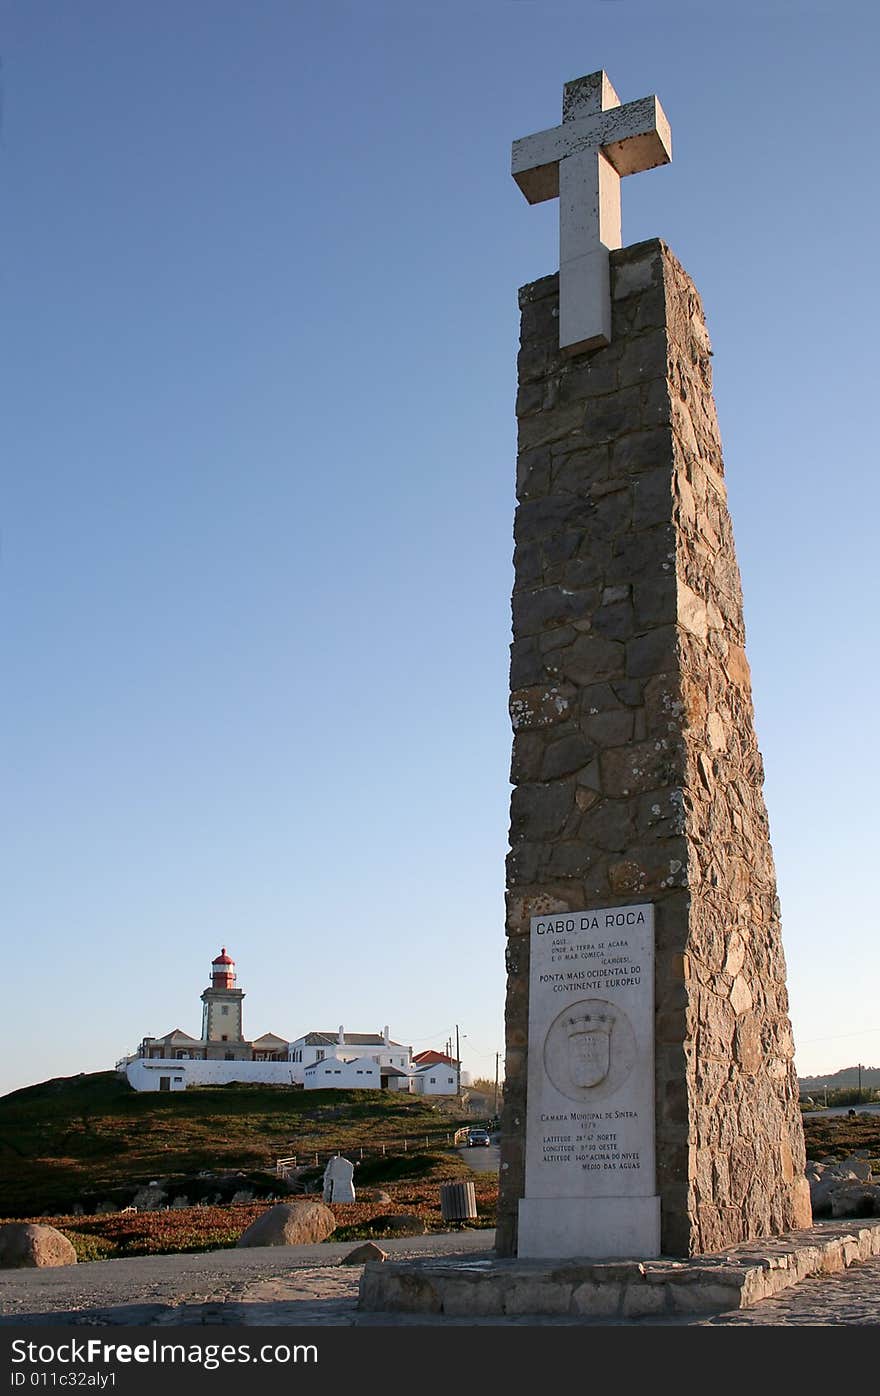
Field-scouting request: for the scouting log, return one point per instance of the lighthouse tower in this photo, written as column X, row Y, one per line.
column 221, row 1009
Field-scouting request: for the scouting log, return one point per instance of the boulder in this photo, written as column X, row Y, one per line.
column 859, row 1166
column 403, row 1223
column 856, row 1199
column 32, row 1244
column 822, row 1190
column 375, row 1195
column 361, row 1254
column 290, row 1224
column 150, row 1198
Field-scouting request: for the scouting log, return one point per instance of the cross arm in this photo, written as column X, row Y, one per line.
column 633, row 137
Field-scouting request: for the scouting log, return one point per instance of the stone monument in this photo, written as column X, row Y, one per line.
column 339, row 1180
column 652, row 1155
column 651, row 1102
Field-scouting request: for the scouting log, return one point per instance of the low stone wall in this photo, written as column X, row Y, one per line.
column 617, row 1290
column 144, row 1073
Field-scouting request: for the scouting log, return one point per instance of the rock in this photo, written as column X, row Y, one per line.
column 243, row 1195
column 820, row 1195
column 404, row 1223
column 150, row 1198
column 824, row 1185
column 859, row 1166
column 339, row 1180
column 361, row 1254
column 290, row 1224
column 179, row 1202
column 375, row 1195
column 31, row 1244
column 856, row 1199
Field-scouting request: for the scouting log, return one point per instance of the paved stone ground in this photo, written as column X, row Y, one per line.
column 305, row 1286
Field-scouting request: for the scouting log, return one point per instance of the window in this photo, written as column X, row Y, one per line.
column 433, row 1080
column 319, row 1055
column 451, row 1080
column 230, row 1056
column 178, row 1078
column 224, row 1009
column 337, row 1073
column 359, row 1071
column 225, row 1037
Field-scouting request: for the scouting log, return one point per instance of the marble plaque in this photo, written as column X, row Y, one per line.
column 590, row 1186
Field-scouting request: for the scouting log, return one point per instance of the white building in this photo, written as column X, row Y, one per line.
column 337, row 1073
column 149, row 1074
column 222, row 1053
column 437, row 1078
column 369, row 1061
column 393, row 1058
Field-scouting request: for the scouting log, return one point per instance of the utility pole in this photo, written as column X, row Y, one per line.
column 860, row 1083
column 457, row 1066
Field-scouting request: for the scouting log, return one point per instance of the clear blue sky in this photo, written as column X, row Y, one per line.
column 258, row 283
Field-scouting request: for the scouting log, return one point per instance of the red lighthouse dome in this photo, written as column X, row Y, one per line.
column 223, row 971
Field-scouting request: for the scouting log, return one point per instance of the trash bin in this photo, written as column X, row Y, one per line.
column 458, row 1202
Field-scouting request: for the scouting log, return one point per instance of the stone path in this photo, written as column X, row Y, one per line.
column 305, row 1286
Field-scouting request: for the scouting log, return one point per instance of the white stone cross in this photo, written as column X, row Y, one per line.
column 582, row 162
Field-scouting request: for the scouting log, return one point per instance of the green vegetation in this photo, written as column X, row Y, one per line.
column 866, row 1077
column 87, row 1139
column 178, row 1229
column 71, row 1139
column 839, row 1136
column 85, row 1135
column 844, row 1095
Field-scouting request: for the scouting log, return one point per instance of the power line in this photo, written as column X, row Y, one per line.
column 835, row 1037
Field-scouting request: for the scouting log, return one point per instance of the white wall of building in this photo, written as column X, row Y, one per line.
column 144, row 1074
column 334, row 1073
column 301, row 1054
column 434, row 1080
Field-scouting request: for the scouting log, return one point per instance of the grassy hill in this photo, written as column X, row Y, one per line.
column 77, row 1135
column 847, row 1077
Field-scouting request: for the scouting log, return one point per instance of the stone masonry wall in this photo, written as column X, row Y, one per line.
column 635, row 767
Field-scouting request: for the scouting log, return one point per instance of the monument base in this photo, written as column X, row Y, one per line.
column 603, row 1228
column 579, row 1291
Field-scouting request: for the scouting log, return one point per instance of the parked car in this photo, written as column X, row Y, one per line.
column 478, row 1136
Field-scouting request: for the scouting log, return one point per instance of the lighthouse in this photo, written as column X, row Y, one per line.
column 221, row 1011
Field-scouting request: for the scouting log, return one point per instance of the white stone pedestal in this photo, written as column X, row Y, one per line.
column 609, row 1228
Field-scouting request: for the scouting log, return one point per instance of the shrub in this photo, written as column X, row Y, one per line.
column 91, row 1247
